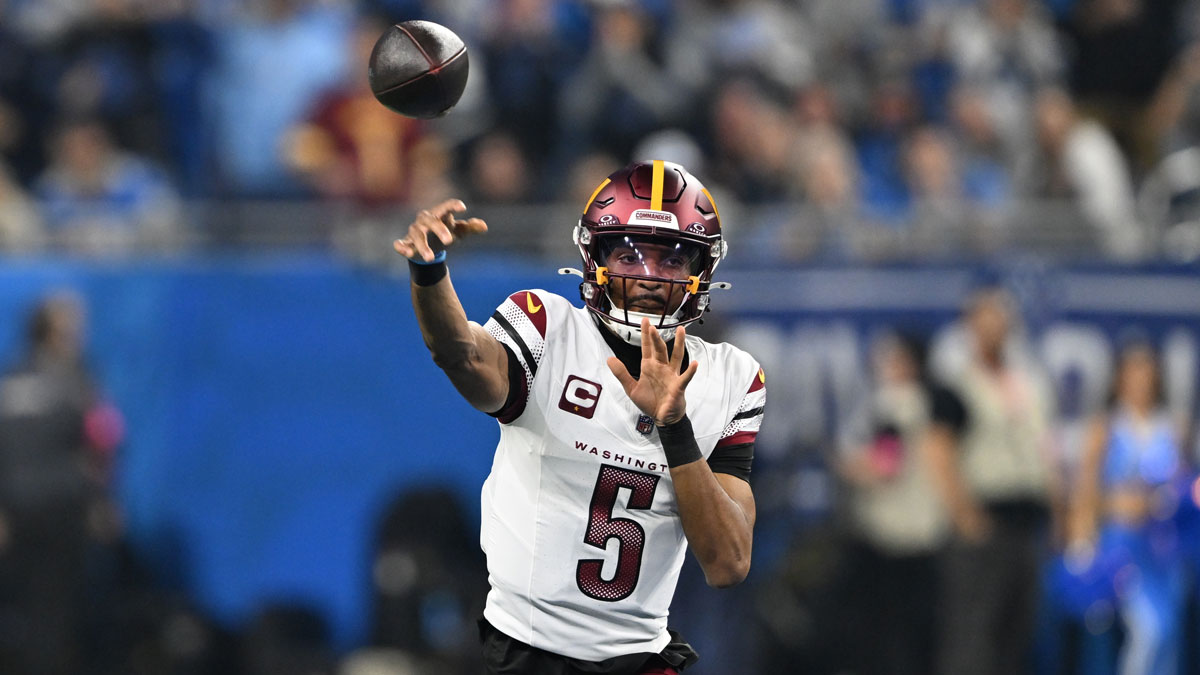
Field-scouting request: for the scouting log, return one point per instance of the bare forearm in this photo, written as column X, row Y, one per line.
column 444, row 325
column 468, row 356
column 718, row 528
column 1086, row 503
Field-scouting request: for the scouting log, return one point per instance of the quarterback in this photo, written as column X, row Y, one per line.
column 623, row 440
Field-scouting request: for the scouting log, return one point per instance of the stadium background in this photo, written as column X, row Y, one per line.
column 873, row 160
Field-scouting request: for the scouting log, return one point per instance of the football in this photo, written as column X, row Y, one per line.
column 418, row 69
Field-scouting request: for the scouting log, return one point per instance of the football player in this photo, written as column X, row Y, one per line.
column 622, row 439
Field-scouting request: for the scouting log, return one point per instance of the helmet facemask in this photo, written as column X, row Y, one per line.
column 632, row 274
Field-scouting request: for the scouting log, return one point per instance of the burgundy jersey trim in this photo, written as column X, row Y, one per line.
column 533, row 307
column 738, row 438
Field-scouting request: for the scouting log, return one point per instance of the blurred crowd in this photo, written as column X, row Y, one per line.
column 881, row 127
column 979, row 536
column 828, row 129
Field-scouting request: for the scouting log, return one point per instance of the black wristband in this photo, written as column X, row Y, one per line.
column 426, row 274
column 679, row 443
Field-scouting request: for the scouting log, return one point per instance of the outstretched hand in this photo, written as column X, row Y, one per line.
column 435, row 230
column 659, row 390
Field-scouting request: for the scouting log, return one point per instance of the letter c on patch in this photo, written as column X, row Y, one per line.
column 579, row 396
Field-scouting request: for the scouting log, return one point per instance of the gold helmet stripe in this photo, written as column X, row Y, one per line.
column 713, row 202
column 593, row 197
column 656, row 186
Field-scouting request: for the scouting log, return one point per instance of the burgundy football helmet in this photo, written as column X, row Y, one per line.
column 651, row 208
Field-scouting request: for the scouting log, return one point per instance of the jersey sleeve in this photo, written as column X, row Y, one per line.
column 519, row 323
column 743, row 426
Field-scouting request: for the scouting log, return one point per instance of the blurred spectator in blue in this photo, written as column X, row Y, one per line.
column 898, row 522
column 764, row 39
column 1133, row 454
column 353, row 148
column 272, row 63
column 1080, row 163
column 20, row 226
column 1121, row 51
column 530, row 49
column 947, row 215
column 622, row 91
column 1006, row 49
column 182, row 57
column 98, row 199
column 53, row 427
column 998, row 484
column 987, row 160
column 880, row 147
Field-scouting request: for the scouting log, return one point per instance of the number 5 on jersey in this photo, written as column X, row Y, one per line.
column 602, row 527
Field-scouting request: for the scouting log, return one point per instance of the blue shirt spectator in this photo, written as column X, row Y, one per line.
column 97, row 199
column 266, row 79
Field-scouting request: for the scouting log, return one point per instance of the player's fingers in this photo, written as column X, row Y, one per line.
column 469, row 226
column 647, row 341
column 403, row 248
column 677, row 352
column 418, row 239
column 688, row 374
column 444, row 232
column 622, row 375
column 447, row 207
column 436, row 226
column 660, row 345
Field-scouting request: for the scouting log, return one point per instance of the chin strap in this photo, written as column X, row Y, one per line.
column 633, row 334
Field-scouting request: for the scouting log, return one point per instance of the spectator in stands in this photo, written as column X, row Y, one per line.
column 1007, row 49
column 98, row 199
column 754, row 139
column 1121, row 52
column 20, row 113
column 898, row 522
column 622, row 91
column 1132, row 455
column 940, row 213
column 829, row 219
column 880, row 146
column 948, row 213
column 498, row 170
column 271, row 66
column 997, row 482
column 20, row 226
column 351, row 147
column 104, row 66
column 765, row 40
column 1081, row 163
column 530, row 48
column 49, row 435
column 988, row 160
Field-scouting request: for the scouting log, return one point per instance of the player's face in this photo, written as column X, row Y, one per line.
column 652, row 261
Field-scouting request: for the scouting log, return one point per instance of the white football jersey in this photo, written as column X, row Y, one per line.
column 580, row 523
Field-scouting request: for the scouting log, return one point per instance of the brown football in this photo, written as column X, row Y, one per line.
column 418, row 69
